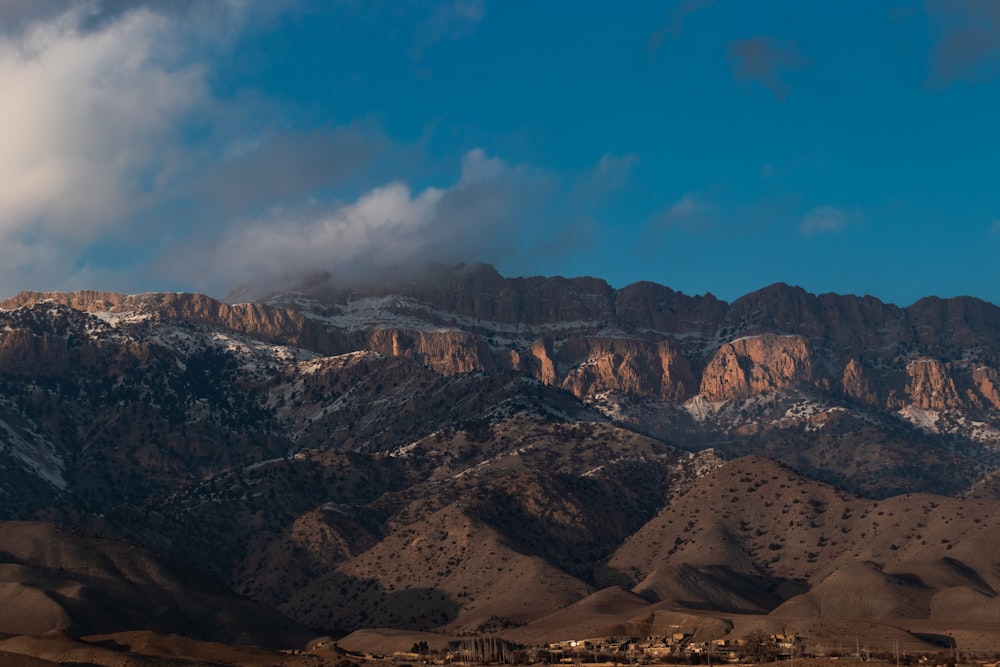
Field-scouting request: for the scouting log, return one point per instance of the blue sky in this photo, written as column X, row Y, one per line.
column 706, row 145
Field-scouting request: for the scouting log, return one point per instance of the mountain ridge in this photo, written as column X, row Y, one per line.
column 935, row 357
column 393, row 456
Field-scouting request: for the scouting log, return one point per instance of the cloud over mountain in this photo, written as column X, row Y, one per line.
column 482, row 215
column 196, row 145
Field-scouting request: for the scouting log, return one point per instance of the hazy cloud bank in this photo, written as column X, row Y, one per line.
column 483, row 216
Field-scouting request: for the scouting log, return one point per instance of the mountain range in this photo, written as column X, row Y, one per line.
column 466, row 454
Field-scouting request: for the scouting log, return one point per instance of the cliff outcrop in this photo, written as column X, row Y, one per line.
column 447, row 352
column 631, row 367
column 987, row 383
column 755, row 365
column 647, row 306
column 643, row 340
column 931, row 386
column 24, row 353
column 857, row 383
column 279, row 325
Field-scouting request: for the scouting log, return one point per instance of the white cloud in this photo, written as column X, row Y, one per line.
column 384, row 226
column 86, row 135
column 688, row 205
column 96, row 166
column 825, row 219
column 102, row 183
column 480, row 217
column 995, row 228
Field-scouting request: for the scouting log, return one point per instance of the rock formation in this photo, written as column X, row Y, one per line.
column 755, row 365
column 857, row 384
column 931, row 386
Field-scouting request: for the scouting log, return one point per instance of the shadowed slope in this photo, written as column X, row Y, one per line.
column 58, row 579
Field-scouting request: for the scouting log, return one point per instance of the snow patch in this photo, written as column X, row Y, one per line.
column 38, row 455
column 403, row 452
column 262, row 464
column 700, row 408
column 117, row 319
column 924, row 419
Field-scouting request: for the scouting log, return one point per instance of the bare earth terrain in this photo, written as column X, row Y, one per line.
column 521, row 462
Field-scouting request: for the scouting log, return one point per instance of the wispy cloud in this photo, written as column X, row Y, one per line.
column 692, row 211
column 17, row 16
column 995, row 228
column 674, row 24
column 767, row 62
column 827, row 219
column 278, row 164
column 607, row 177
column 967, row 41
column 455, row 19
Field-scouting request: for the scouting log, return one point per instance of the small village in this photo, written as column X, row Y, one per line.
column 676, row 648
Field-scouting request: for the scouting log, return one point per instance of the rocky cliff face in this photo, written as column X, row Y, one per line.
column 667, row 363
column 550, row 328
column 280, row 325
column 447, row 352
column 756, row 365
column 644, row 340
column 987, row 384
column 857, row 384
column 625, row 366
column 652, row 307
column 931, row 386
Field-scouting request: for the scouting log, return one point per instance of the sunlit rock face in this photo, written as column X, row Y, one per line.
column 756, row 365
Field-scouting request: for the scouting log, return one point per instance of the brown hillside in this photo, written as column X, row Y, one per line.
column 755, row 526
column 58, row 579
